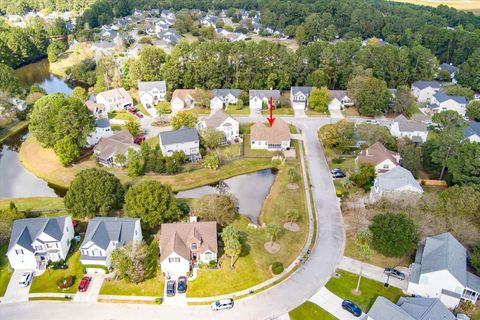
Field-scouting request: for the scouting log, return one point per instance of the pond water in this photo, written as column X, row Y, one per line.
column 251, row 190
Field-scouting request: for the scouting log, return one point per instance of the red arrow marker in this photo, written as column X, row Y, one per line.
column 271, row 119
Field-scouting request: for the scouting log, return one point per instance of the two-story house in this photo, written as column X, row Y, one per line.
column 115, row 99
column 414, row 130
column 442, row 102
column 223, row 97
column 109, row 147
column 183, row 245
column 472, row 131
column 440, row 271
column 424, row 90
column 276, row 137
column 97, row 109
column 221, row 121
column 340, row 100
column 102, row 130
column 35, row 241
column 106, row 234
column 299, row 97
column 184, row 139
column 259, row 98
column 151, row 92
column 380, row 157
column 182, row 98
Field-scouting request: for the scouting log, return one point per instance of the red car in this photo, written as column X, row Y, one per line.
column 138, row 140
column 138, row 114
column 83, row 285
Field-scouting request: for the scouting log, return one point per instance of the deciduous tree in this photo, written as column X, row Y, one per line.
column 183, row 118
column 319, row 99
column 216, row 207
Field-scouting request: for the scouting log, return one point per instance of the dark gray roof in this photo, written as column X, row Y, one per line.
column 424, row 309
column 224, row 92
column 102, row 123
column 442, row 97
column 181, row 135
column 102, row 231
column 304, row 90
column 472, row 129
column 425, row 84
column 25, row 231
column 216, row 119
column 406, row 125
column 275, row 94
column 448, row 67
column 338, row 94
column 384, row 309
column 149, row 85
column 473, row 282
column 396, row 179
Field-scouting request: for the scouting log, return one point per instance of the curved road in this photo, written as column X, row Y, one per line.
column 269, row 304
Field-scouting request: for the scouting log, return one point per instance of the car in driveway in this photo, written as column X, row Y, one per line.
column 392, row 272
column 84, row 283
column 374, row 122
column 138, row 140
column 25, row 279
column 224, row 304
column 170, row 288
column 338, row 174
column 352, row 308
column 182, row 285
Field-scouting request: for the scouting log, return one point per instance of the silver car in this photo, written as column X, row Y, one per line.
column 223, row 304
column 25, row 279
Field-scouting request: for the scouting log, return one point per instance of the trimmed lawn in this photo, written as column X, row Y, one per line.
column 150, row 287
column 47, row 282
column 310, row 311
column 376, row 258
column 229, row 151
column 232, row 110
column 199, row 111
column 34, row 203
column 152, row 142
column 142, row 109
column 350, row 112
column 122, row 115
column 249, row 152
column 118, row 127
column 315, row 113
column 287, row 111
column 370, row 289
column 5, row 271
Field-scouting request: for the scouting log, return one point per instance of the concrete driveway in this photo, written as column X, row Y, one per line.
column 91, row 295
column 16, row 293
column 332, row 304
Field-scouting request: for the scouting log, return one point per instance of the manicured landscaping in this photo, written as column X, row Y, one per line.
column 310, row 311
column 5, row 271
column 152, row 142
column 33, row 203
column 370, row 289
column 287, row 111
column 150, row 287
column 199, row 111
column 47, row 282
column 142, row 109
column 122, row 115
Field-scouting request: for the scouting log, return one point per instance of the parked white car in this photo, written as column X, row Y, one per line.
column 25, row 279
column 223, row 304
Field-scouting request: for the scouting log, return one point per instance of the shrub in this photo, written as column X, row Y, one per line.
column 393, row 235
column 66, row 282
column 277, row 268
column 212, row 264
column 475, row 257
column 158, row 300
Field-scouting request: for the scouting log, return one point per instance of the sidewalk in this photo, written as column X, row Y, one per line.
column 372, row 272
column 332, row 304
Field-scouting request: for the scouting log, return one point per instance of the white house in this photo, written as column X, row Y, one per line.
column 105, row 234
column 299, row 97
column 109, row 147
column 221, row 121
column 223, row 97
column 182, row 98
column 414, row 130
column 184, row 139
column 424, row 90
column 35, row 241
column 102, row 130
column 97, row 109
column 257, row 98
column 440, row 271
column 472, row 132
column 380, row 157
column 394, row 183
column 151, row 92
column 442, row 102
column 115, row 99
column 409, row 308
column 183, row 245
column 340, row 100
column 450, row 69
column 276, row 137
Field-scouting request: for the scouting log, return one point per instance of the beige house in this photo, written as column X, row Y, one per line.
column 380, row 157
column 181, row 99
column 272, row 138
column 108, row 147
column 115, row 99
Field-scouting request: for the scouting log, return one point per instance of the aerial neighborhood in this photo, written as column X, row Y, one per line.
column 240, row 160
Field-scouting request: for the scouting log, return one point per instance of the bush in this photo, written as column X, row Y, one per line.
column 66, row 282
column 394, row 235
column 158, row 300
column 475, row 257
column 212, row 264
column 277, row 268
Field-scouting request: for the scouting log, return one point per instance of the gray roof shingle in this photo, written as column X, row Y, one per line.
column 102, row 231
column 181, row 135
column 397, row 178
column 448, row 67
column 425, row 84
column 425, row 308
column 384, row 309
column 149, row 85
column 442, row 97
column 264, row 94
column 221, row 93
column 472, row 129
column 25, row 231
column 406, row 125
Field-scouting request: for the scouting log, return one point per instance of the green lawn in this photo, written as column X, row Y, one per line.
column 122, row 115
column 5, row 271
column 370, row 290
column 259, row 153
column 47, row 282
column 150, row 287
column 199, row 111
column 310, row 311
column 287, row 111
column 314, row 113
column 34, row 203
column 232, row 110
column 229, row 151
column 118, row 127
column 152, row 142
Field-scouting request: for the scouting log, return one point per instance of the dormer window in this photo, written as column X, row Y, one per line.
column 194, row 246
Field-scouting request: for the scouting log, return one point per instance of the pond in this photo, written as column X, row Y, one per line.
column 251, row 190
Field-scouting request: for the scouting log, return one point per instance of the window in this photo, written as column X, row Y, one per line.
column 174, row 259
column 194, row 246
column 38, row 248
column 208, row 256
column 385, row 166
column 67, row 229
column 18, row 251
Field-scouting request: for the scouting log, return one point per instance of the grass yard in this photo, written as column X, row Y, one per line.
column 150, row 287
column 258, row 153
column 34, row 203
column 232, row 110
column 472, row 5
column 252, row 267
column 229, row 151
column 370, row 290
column 351, row 112
column 310, row 311
column 122, row 115
column 118, row 127
column 142, row 109
column 287, row 111
column 47, row 282
column 152, row 142
column 199, row 111
column 11, row 130
column 376, row 258
column 5, row 271
column 315, row 113
column 71, row 57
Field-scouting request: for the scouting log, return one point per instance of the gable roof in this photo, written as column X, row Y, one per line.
column 396, row 179
column 149, row 85
column 93, row 106
column 273, row 135
column 305, row 90
column 425, row 308
column 442, row 97
column 182, row 94
column 102, row 123
column 425, row 84
column 102, row 231
column 181, row 135
column 264, row 94
column 177, row 238
column 25, row 231
column 216, row 119
column 472, row 129
column 118, row 143
column 221, row 93
column 117, row 94
column 406, row 125
column 448, row 67
column 338, row 94
column 376, row 154
column 384, row 309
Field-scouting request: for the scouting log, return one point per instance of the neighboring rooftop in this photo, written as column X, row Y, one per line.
column 117, row 95
column 181, row 135
column 102, row 231
column 224, row 92
column 216, row 119
column 472, row 129
column 448, row 67
column 338, row 94
column 182, row 94
column 274, row 135
column 442, row 97
column 264, row 94
column 396, row 179
column 93, row 106
column 406, row 125
column 304, row 90
column 149, row 85
column 102, row 123
column 376, row 154
column 118, row 143
column 425, row 84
